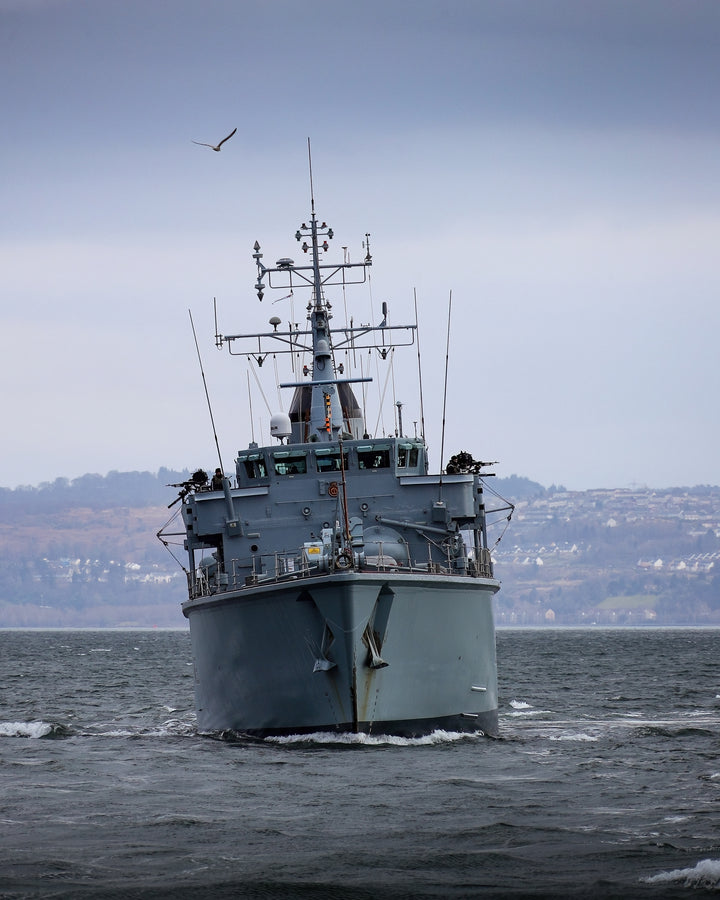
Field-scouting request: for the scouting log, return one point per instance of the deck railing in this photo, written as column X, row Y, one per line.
column 289, row 566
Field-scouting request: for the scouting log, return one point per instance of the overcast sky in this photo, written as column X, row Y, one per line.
column 553, row 163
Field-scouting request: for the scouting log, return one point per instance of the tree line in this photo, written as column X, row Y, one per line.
column 126, row 489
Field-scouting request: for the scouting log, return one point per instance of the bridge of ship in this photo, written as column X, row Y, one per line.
column 315, row 509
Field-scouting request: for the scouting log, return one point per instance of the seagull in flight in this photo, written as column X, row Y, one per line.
column 212, row 146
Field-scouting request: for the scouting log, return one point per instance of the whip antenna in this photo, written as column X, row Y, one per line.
column 312, row 192
column 447, row 358
column 252, row 421
column 207, row 395
column 422, row 411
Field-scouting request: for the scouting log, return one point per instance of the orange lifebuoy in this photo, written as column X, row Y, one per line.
column 333, row 489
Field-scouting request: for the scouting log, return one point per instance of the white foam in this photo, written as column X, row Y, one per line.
column 25, row 729
column 705, row 874
column 117, row 732
column 170, row 728
column 520, row 704
column 326, row 737
column 573, row 736
column 173, row 728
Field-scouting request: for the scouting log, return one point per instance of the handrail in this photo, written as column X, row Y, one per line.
column 202, row 585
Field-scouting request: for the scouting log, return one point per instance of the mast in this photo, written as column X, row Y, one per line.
column 326, row 416
column 325, row 397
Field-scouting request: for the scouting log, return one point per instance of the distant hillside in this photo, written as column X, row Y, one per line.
column 135, row 489
column 612, row 557
column 84, row 553
column 139, row 489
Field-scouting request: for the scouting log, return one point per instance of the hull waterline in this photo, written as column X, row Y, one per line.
column 352, row 652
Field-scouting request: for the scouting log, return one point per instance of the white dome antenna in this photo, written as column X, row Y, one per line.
column 280, row 426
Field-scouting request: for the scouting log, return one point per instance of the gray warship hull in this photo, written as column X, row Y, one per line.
column 357, row 652
column 334, row 582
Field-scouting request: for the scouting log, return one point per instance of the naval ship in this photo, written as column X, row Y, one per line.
column 335, row 583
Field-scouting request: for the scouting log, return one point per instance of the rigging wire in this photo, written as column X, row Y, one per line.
column 252, row 420
column 207, row 395
column 262, row 392
column 510, row 506
column 363, row 390
column 394, row 394
column 166, row 543
column 382, row 396
column 277, row 382
column 417, row 333
column 502, row 533
column 346, row 259
column 377, row 356
column 442, row 431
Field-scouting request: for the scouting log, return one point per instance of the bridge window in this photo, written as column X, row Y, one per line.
column 288, row 462
column 407, row 456
column 374, row 456
column 328, row 460
column 254, row 465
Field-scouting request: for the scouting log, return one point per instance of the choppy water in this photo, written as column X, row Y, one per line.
column 605, row 782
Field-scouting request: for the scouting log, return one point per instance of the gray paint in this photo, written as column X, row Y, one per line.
column 336, row 583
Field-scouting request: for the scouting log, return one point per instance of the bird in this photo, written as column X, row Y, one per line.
column 212, row 146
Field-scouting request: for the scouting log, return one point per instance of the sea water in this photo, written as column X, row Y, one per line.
column 605, row 781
